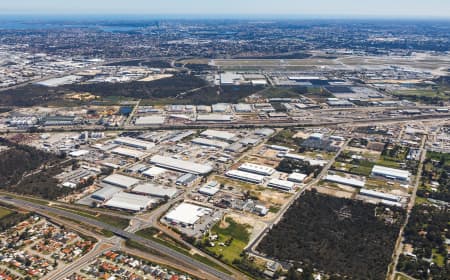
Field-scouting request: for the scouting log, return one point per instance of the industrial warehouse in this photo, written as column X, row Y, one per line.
column 391, row 173
column 181, row 165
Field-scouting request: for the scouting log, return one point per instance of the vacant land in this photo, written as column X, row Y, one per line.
column 338, row 236
column 232, row 239
column 4, row 212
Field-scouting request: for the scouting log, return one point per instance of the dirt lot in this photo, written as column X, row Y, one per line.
column 335, row 192
column 257, row 226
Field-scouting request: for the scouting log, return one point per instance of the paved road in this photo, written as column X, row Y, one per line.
column 398, row 246
column 119, row 232
column 241, row 124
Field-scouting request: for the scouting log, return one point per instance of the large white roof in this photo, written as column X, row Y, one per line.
column 277, row 183
column 187, row 213
column 150, row 120
column 214, row 118
column 155, row 190
column 391, row 172
column 129, row 201
column 256, row 168
column 210, row 142
column 128, row 141
column 297, row 177
column 346, row 181
column 181, row 165
column 380, row 195
column 246, row 176
column 154, row 171
column 121, row 180
column 223, row 135
column 128, row 152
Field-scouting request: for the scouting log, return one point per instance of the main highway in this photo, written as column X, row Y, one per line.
column 157, row 247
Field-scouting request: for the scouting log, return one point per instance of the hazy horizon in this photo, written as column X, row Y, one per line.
column 431, row 9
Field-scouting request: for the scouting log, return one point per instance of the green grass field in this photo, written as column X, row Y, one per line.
column 4, row 212
column 110, row 220
column 239, row 234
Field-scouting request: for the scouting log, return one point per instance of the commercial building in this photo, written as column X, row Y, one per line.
column 380, row 195
column 181, row 165
column 155, row 190
column 281, row 184
column 122, row 181
column 187, row 214
column 130, row 202
column 221, row 135
column 128, row 152
column 245, row 176
column 345, row 181
column 257, row 169
column 296, row 177
column 134, row 143
column 391, row 173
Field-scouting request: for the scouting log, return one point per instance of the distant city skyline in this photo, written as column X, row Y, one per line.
column 319, row 8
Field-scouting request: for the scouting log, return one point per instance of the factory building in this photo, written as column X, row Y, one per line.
column 266, row 132
column 134, row 143
column 186, row 179
column 187, row 214
column 155, row 190
column 281, row 184
column 210, row 143
column 220, row 107
column 214, row 118
column 150, row 120
column 221, row 135
column 130, row 202
column 181, row 165
column 105, row 193
column 128, row 152
column 391, row 173
column 122, row 181
column 345, row 181
column 380, row 195
column 245, row 176
column 210, row 188
column 296, row 177
column 243, row 108
column 154, row 172
column 257, row 169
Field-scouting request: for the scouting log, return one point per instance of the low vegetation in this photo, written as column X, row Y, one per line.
column 232, row 238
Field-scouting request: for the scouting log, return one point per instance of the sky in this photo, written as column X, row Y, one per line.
column 345, row 8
